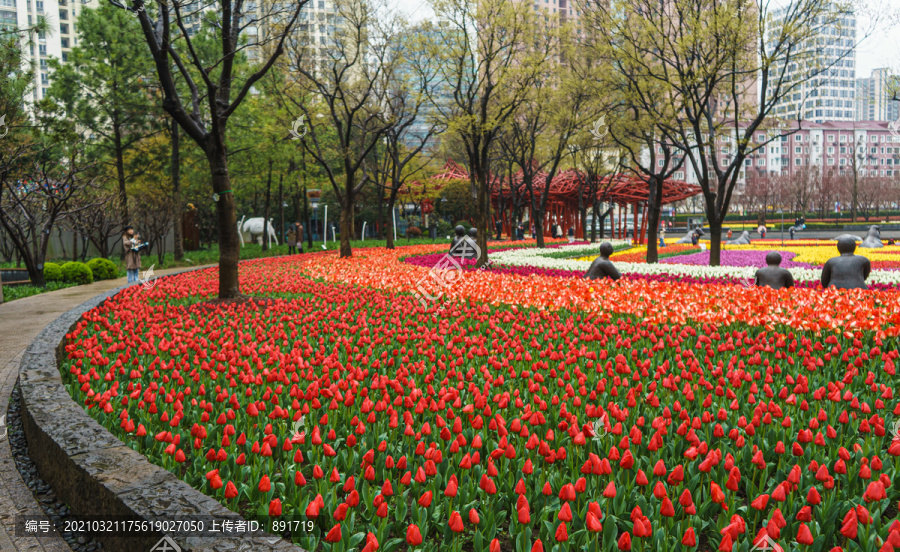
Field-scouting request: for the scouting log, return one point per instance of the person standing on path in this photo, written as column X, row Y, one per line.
column 662, row 236
column 291, row 240
column 300, row 237
column 132, row 256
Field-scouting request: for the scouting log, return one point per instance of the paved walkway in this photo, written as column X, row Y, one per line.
column 20, row 322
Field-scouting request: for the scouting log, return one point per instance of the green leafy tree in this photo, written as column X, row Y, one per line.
column 103, row 88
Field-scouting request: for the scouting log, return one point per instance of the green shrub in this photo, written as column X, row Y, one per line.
column 413, row 232
column 103, row 269
column 77, row 273
column 52, row 272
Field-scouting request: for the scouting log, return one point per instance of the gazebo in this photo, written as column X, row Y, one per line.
column 620, row 189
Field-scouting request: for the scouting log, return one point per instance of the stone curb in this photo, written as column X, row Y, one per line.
column 95, row 473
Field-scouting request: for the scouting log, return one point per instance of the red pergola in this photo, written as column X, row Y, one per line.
column 562, row 202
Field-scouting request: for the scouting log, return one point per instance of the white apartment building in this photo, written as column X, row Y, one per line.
column 829, row 67
column 873, row 97
column 57, row 42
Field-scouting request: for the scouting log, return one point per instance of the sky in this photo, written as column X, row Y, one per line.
column 879, row 36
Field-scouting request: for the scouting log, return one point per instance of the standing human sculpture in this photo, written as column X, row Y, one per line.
column 602, row 267
column 773, row 275
column 848, row 271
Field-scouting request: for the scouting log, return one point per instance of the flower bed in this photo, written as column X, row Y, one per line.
column 738, row 265
column 524, row 414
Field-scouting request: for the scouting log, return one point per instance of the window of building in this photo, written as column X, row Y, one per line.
column 64, row 15
column 64, row 28
column 798, row 161
column 843, row 138
column 831, row 161
column 843, row 161
column 760, row 162
column 64, row 42
column 831, row 137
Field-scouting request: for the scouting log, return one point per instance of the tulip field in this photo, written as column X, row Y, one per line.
column 525, row 410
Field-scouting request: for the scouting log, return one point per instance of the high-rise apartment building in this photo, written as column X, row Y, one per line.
column 828, row 68
column 874, row 97
column 56, row 42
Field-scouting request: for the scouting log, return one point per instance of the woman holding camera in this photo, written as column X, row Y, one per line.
column 130, row 243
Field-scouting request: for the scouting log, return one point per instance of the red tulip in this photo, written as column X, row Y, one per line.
column 456, row 523
column 849, row 525
column 334, row 535
column 473, row 516
column 264, row 484
column 413, row 535
column 804, row 536
column 230, row 490
column 275, row 507
column 593, row 523
column 689, row 539
column 624, row 542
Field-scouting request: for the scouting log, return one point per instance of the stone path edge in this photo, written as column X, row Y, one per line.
column 95, row 472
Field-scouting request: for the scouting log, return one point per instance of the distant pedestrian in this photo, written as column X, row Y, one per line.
column 571, row 234
column 729, row 233
column 499, row 226
column 662, row 236
column 292, row 240
column 300, row 237
column 762, row 231
column 793, row 229
column 695, row 238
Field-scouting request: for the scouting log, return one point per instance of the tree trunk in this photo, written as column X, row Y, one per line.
column 654, row 201
column 226, row 222
column 307, row 220
column 346, row 217
column 120, row 171
column 265, row 246
column 715, row 242
column 483, row 215
column 389, row 237
column 177, row 210
column 594, row 210
column 538, row 224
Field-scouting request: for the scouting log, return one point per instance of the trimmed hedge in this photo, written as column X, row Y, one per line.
column 103, row 269
column 52, row 272
column 77, row 273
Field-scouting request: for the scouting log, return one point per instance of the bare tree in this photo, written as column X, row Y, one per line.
column 95, row 216
column 203, row 115
column 37, row 185
column 492, row 53
column 701, row 60
column 408, row 82
column 348, row 102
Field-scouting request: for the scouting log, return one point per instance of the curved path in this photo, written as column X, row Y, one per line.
column 20, row 322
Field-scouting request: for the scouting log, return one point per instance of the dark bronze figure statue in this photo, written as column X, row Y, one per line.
column 463, row 246
column 602, row 267
column 848, row 271
column 773, row 275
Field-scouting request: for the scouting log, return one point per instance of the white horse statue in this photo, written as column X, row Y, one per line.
column 254, row 228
